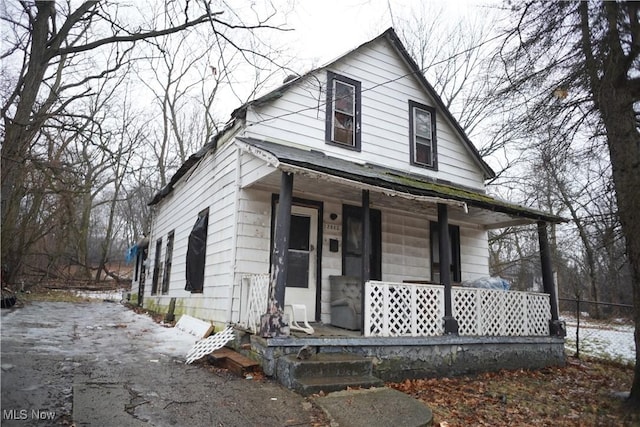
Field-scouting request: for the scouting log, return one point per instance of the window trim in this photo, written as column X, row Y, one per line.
column 413, row 106
column 329, row 117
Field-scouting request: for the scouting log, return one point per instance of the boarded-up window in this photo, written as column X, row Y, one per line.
column 168, row 259
column 196, row 253
column 157, row 267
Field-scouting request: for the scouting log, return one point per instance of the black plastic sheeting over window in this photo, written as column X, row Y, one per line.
column 196, row 253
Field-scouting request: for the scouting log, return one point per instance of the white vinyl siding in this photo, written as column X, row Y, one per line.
column 209, row 184
column 300, row 117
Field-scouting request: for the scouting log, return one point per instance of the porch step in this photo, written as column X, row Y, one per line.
column 233, row 361
column 326, row 372
column 315, row 385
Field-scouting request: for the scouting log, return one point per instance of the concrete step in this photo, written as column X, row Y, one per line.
column 326, row 372
column 329, row 364
column 314, row 385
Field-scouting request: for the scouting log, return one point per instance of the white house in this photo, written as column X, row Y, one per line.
column 357, row 157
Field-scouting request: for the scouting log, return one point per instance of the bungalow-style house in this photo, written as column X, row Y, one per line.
column 342, row 211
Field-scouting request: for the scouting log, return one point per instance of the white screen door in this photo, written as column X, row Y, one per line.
column 301, row 276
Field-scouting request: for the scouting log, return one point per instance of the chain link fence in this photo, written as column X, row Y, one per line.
column 608, row 317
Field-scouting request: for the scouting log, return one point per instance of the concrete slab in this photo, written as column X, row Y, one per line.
column 101, row 364
column 374, row 407
column 103, row 404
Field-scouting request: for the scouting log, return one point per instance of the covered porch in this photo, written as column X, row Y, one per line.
column 403, row 307
column 404, row 333
column 417, row 310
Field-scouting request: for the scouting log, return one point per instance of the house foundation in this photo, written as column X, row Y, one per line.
column 400, row 358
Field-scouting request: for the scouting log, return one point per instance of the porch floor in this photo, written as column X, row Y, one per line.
column 326, row 331
column 326, row 335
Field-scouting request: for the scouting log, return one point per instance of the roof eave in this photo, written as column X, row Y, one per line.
column 395, row 41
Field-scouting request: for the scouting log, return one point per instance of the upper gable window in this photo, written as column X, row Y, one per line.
column 422, row 135
column 343, row 111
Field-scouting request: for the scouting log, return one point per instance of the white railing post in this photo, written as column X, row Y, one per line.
column 525, row 314
column 479, row 314
column 414, row 311
column 385, row 310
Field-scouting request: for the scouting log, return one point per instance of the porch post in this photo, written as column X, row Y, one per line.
column 366, row 251
column 444, row 245
column 273, row 323
column 555, row 326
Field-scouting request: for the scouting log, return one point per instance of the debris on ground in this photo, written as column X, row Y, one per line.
column 582, row 393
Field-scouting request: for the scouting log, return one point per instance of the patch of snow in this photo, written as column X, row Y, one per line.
column 113, row 295
column 611, row 341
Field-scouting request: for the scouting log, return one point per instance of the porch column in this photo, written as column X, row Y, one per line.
column 272, row 323
column 366, row 251
column 555, row 326
column 444, row 245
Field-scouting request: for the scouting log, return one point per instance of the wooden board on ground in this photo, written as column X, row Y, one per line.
column 233, row 361
column 196, row 327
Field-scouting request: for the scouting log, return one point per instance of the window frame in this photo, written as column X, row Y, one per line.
column 413, row 136
column 332, row 79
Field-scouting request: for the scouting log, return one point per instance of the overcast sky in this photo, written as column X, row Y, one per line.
column 323, row 30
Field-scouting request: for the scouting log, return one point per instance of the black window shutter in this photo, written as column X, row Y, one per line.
column 196, row 254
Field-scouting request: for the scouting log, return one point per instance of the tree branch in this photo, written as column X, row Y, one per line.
column 133, row 37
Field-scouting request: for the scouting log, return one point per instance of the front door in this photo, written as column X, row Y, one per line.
column 352, row 238
column 302, row 267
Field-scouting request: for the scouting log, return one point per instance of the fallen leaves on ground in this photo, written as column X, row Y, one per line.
column 580, row 394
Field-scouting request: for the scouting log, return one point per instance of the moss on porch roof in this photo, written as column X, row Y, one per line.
column 392, row 179
column 461, row 194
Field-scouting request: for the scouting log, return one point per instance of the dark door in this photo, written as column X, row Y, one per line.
column 352, row 242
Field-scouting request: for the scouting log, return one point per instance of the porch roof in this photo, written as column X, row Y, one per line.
column 488, row 211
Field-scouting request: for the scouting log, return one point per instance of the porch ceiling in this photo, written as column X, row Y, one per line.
column 389, row 188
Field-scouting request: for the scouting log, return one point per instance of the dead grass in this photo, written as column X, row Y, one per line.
column 583, row 393
column 52, row 295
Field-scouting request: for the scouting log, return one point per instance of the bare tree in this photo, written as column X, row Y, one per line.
column 455, row 59
column 58, row 54
column 578, row 62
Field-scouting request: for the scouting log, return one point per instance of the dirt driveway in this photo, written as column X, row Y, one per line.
column 101, row 364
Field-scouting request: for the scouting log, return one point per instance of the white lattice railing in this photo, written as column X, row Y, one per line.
column 258, row 298
column 498, row 312
column 403, row 309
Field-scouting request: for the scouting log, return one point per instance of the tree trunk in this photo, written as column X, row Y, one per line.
column 616, row 107
column 19, row 132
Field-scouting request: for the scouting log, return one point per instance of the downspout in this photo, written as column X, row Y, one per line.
column 234, row 237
